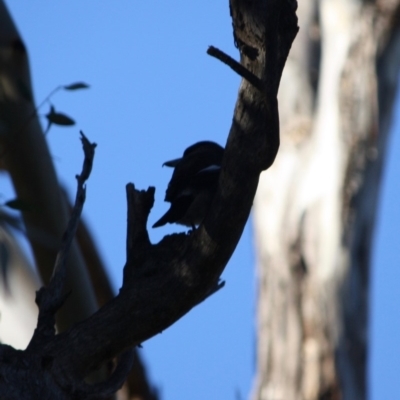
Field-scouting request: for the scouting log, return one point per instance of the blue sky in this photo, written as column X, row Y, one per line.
column 154, row 91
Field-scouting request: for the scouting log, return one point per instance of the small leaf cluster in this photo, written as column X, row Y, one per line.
column 60, row 118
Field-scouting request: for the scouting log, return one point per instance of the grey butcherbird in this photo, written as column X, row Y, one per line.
column 193, row 184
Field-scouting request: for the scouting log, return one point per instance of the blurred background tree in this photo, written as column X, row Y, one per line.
column 315, row 212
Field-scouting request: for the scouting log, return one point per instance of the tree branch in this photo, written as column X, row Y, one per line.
column 137, row 242
column 237, row 67
column 50, row 299
column 183, row 268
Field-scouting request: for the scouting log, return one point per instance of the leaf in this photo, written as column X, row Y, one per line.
column 77, row 86
column 17, row 204
column 59, row 118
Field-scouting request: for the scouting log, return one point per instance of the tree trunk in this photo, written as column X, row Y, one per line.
column 314, row 212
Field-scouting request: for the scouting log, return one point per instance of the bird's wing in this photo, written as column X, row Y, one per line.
column 176, row 211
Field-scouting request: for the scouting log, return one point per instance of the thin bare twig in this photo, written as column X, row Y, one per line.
column 59, row 268
column 237, row 67
column 50, row 299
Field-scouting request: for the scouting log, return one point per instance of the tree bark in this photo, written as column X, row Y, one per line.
column 315, row 209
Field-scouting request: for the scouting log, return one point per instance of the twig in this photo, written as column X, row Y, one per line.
column 57, row 280
column 50, row 299
column 237, row 67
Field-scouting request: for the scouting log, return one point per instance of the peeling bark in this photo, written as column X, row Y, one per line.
column 315, row 208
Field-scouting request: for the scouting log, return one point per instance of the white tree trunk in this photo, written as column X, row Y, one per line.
column 315, row 207
column 18, row 284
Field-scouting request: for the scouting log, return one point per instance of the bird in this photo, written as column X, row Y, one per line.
column 193, row 184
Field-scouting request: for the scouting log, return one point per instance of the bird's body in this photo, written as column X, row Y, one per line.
column 193, row 184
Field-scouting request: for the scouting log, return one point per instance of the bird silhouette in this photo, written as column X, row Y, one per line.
column 193, row 184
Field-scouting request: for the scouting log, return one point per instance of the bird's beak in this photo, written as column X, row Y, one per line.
column 172, row 163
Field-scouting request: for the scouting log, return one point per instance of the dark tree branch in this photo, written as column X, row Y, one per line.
column 16, row 366
column 237, row 67
column 102, row 390
column 57, row 280
column 137, row 382
column 163, row 282
column 49, row 299
column 137, row 241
